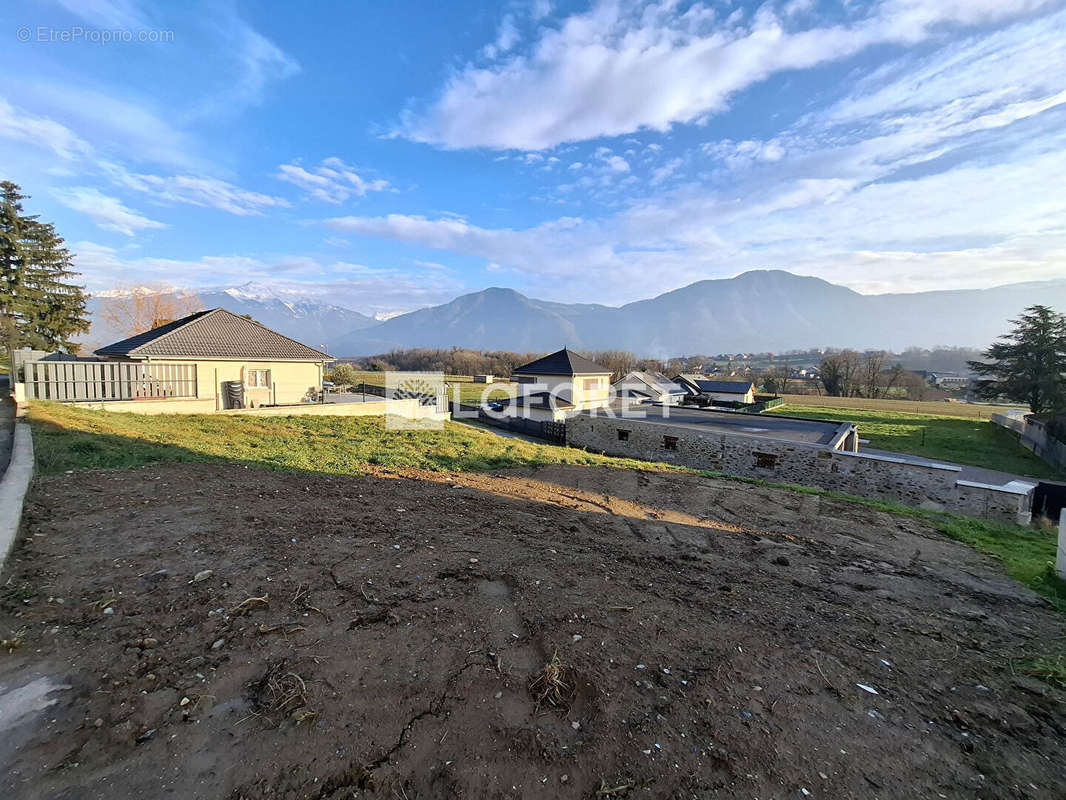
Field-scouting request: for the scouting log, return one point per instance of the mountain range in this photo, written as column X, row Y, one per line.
column 757, row 311
column 306, row 319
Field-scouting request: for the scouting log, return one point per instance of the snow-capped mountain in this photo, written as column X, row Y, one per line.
column 288, row 311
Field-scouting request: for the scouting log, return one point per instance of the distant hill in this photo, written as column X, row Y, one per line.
column 758, row 311
column 299, row 317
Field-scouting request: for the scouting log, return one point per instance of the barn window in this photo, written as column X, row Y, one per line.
column 670, row 442
column 623, row 435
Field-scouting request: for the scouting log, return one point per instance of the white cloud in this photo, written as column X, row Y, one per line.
column 506, row 39
column 623, row 67
column 254, row 62
column 742, row 154
column 666, row 171
column 834, row 206
column 113, row 124
column 332, row 181
column 40, row 131
column 107, row 212
column 356, row 286
column 111, row 14
column 195, row 190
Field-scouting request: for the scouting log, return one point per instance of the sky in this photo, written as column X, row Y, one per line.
column 389, row 156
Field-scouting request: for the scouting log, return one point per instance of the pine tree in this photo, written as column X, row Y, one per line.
column 39, row 306
column 1029, row 363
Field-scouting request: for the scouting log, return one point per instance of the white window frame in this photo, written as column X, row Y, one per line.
column 253, row 376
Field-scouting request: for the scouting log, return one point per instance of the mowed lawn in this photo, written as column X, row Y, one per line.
column 71, row 438
column 470, row 393
column 965, row 441
column 67, row 438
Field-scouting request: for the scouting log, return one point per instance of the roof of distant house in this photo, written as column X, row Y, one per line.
column 704, row 384
column 213, row 333
column 657, row 380
column 535, row 400
column 562, row 362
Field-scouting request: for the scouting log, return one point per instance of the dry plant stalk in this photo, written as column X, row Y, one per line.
column 246, row 605
column 550, row 685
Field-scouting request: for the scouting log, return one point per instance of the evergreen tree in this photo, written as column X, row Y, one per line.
column 39, row 306
column 1029, row 363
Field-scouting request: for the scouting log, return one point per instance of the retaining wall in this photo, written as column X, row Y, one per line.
column 926, row 486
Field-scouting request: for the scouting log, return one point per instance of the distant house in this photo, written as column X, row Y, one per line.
column 559, row 385
column 653, row 387
column 949, row 380
column 224, row 360
column 707, row 389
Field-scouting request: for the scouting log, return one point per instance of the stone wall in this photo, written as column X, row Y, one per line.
column 926, row 486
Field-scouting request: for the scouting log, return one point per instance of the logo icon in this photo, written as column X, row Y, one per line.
column 429, row 394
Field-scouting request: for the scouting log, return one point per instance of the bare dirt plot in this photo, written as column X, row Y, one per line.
column 387, row 636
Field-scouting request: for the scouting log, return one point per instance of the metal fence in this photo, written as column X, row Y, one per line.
column 82, row 381
column 368, row 388
column 554, row 432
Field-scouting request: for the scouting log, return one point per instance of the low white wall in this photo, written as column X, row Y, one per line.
column 13, row 487
column 407, row 408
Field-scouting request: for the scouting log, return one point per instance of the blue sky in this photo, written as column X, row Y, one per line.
column 387, row 156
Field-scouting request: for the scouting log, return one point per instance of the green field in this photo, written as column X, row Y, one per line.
column 939, row 408
column 965, row 441
column 67, row 438
column 469, row 392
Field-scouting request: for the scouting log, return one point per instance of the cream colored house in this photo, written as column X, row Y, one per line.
column 214, row 360
column 558, row 386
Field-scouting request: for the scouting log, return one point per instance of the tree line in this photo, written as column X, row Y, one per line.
column 500, row 363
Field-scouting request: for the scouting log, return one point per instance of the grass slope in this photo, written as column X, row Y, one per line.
column 965, row 441
column 71, row 438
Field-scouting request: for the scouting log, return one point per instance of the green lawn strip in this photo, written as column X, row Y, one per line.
column 963, row 440
column 67, row 438
column 469, row 392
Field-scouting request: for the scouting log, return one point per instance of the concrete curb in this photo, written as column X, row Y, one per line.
column 13, row 487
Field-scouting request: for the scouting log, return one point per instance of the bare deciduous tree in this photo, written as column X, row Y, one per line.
column 131, row 311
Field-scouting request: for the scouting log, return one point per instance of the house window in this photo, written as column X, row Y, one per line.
column 623, row 435
column 670, row 442
column 258, row 379
column 591, row 383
